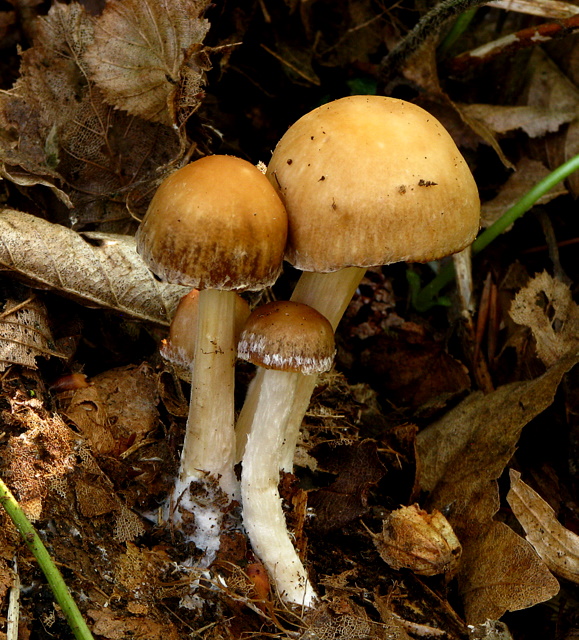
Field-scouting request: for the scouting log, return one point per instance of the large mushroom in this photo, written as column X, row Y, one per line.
column 291, row 341
column 219, row 226
column 366, row 180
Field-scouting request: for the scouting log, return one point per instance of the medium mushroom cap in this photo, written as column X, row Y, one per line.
column 369, row 180
column 288, row 336
column 216, row 223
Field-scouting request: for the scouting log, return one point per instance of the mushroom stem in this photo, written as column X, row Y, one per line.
column 210, row 450
column 262, row 513
column 207, row 458
column 330, row 295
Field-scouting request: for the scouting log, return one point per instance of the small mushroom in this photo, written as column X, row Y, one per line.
column 217, row 225
column 290, row 340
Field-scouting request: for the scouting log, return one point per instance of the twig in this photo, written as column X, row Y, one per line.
column 53, row 576
column 13, row 615
column 425, row 27
column 513, row 42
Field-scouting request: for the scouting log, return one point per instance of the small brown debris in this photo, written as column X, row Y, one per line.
column 414, row 539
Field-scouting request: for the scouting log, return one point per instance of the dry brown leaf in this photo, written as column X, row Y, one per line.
column 118, row 626
column 550, row 88
column 25, row 334
column 32, row 177
column 143, row 57
column 64, row 136
column 414, row 539
column 554, row 9
column 546, row 306
column 504, row 574
column 462, row 454
column 103, row 269
column 557, row 546
column 527, row 174
column 535, row 121
column 119, row 407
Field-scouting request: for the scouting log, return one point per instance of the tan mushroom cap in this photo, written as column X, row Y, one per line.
column 288, row 336
column 370, row 180
column 216, row 223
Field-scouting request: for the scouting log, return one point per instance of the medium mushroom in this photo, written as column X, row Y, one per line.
column 366, row 180
column 291, row 341
column 217, row 225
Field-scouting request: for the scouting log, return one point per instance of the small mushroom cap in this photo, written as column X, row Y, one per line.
column 370, row 180
column 179, row 347
column 216, row 223
column 288, row 336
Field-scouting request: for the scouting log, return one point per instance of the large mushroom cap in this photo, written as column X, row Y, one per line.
column 216, row 223
column 288, row 336
column 369, row 180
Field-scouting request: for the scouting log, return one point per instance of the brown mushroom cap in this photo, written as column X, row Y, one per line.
column 369, row 180
column 216, row 223
column 288, row 336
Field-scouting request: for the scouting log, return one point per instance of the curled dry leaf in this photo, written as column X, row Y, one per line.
column 535, row 121
column 504, row 574
column 460, row 457
column 97, row 269
column 25, row 334
column 544, row 8
column 414, row 539
column 143, row 56
column 557, row 546
column 546, row 306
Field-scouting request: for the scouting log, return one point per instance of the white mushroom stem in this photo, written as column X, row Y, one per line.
column 330, row 294
column 463, row 270
column 262, row 512
column 209, row 447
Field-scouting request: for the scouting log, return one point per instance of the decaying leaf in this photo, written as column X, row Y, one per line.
column 143, row 56
column 357, row 467
column 504, row 574
column 43, row 453
column 546, row 306
column 460, row 457
column 549, row 88
column 423, row 542
column 117, row 626
column 557, row 546
column 25, row 334
column 535, row 121
column 117, row 409
column 463, row 453
column 63, row 135
column 98, row 269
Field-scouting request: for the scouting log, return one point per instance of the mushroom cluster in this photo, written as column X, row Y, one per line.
column 216, row 225
column 358, row 182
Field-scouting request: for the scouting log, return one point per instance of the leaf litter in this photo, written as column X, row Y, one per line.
column 87, row 131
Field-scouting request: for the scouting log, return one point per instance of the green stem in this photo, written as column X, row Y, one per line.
column 460, row 25
column 426, row 298
column 53, row 575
